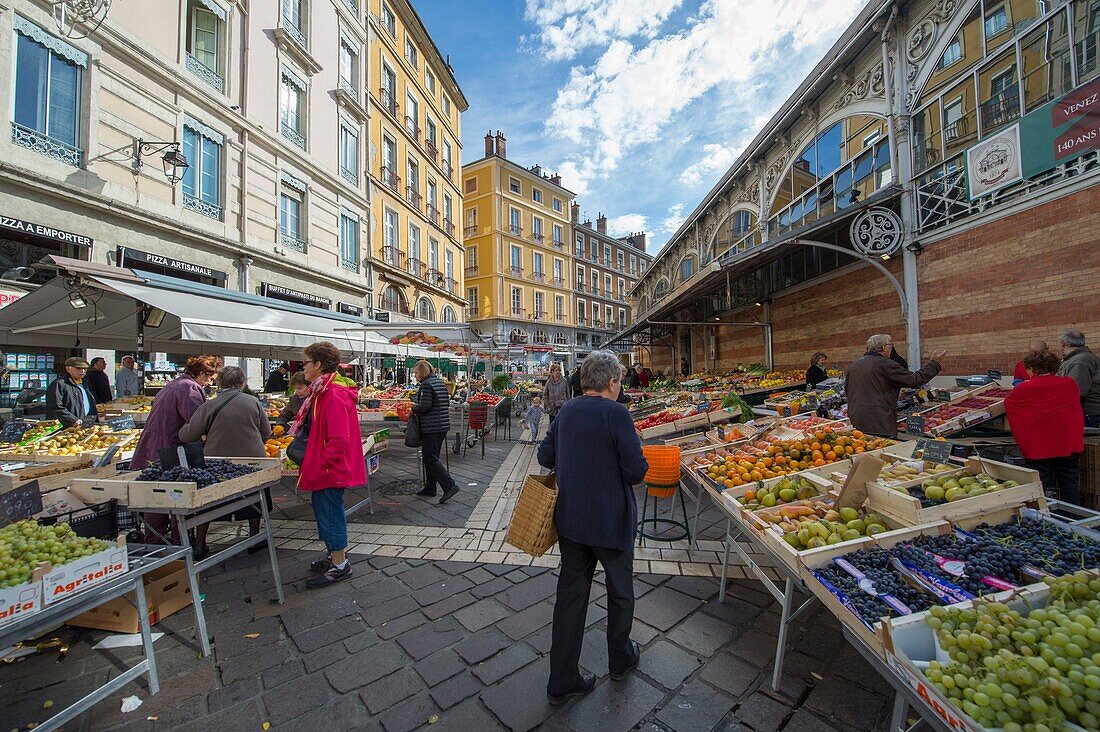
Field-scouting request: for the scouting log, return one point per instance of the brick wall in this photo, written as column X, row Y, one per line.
column 984, row 294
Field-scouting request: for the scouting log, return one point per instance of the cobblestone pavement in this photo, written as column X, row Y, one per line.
column 444, row 626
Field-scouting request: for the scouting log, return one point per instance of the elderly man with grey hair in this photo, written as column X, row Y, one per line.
column 874, row 381
column 234, row 424
column 1083, row 366
column 598, row 457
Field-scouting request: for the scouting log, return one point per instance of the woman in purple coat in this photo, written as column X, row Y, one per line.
column 172, row 409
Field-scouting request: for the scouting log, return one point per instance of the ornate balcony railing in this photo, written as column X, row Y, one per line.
column 1001, row 109
column 193, row 203
column 393, row 256
column 294, row 32
column 413, row 196
column 388, row 102
column 291, row 241
column 452, row 285
column 349, row 88
column 412, row 128
column 292, row 134
column 540, row 314
column 349, row 176
column 349, row 264
column 537, row 238
column 518, row 312
column 199, row 69
column 557, row 244
column 472, row 271
column 391, row 179
column 432, row 213
column 515, row 271
column 449, row 228
column 579, row 287
column 559, row 317
column 515, row 230
column 51, row 148
column 416, row 267
column 557, row 281
column 431, row 150
column 581, row 320
column 469, row 231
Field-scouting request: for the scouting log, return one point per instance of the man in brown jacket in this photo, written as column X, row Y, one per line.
column 873, row 383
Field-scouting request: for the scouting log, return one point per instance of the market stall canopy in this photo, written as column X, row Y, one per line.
column 196, row 317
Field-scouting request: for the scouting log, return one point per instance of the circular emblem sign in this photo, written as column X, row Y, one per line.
column 876, row 231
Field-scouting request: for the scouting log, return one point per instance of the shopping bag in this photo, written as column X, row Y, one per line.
column 531, row 529
column 413, row 438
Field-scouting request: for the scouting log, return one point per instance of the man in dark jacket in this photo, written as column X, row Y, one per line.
column 575, row 382
column 277, row 381
column 1083, row 366
column 873, row 383
column 97, row 382
column 68, row 399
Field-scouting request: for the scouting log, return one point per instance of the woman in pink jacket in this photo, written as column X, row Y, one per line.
column 329, row 422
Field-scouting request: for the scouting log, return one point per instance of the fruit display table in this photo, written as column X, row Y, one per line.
column 143, row 559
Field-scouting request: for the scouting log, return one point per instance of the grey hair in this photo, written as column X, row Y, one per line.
column 598, row 369
column 1073, row 338
column 877, row 342
column 231, row 377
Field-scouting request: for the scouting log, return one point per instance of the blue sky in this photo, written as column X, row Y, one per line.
column 641, row 105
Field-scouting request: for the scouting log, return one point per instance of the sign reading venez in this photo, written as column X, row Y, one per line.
column 138, row 259
column 44, row 232
column 302, row 298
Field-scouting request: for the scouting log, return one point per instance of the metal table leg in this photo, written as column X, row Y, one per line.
column 271, row 549
column 147, row 634
column 899, row 717
column 781, row 646
column 196, row 601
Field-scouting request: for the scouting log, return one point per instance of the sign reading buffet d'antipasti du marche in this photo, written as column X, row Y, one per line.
column 1051, row 135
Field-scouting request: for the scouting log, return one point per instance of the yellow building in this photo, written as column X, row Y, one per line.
column 415, row 156
column 516, row 229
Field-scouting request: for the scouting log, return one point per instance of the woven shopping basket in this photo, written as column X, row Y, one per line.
column 532, row 527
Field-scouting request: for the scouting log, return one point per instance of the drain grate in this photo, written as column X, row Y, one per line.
column 400, row 487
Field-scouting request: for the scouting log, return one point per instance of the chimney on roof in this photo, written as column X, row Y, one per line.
column 490, row 146
column 502, row 145
column 575, row 213
column 537, row 170
column 601, row 223
column 555, row 179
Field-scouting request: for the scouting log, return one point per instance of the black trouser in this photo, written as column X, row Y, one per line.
column 434, row 472
column 578, row 564
column 1061, row 476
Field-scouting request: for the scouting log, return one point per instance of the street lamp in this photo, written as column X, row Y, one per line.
column 174, row 161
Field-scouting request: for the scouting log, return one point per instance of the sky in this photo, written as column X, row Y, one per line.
column 640, row 105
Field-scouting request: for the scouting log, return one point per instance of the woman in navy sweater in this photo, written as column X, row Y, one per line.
column 598, row 457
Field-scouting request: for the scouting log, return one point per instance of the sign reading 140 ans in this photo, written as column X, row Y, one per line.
column 1053, row 134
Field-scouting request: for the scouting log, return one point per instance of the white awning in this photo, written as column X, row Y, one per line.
column 198, row 318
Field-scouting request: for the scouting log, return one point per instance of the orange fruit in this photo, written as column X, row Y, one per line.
column 819, row 462
column 857, row 434
column 830, row 456
column 756, row 475
column 750, row 494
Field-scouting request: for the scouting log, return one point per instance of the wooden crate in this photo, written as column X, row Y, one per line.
column 156, row 494
column 815, row 559
column 1090, row 473
column 55, row 481
column 908, row 510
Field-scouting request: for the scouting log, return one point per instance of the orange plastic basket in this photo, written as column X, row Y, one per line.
column 664, row 467
column 661, row 491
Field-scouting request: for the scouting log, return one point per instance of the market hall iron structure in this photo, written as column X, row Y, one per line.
column 933, row 177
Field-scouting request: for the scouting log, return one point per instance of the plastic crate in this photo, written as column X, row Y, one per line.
column 98, row 521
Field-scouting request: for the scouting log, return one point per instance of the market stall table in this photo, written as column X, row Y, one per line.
column 143, row 560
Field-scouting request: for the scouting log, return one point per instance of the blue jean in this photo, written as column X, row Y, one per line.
column 332, row 525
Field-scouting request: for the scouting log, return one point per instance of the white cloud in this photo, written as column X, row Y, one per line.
column 568, row 27
column 716, row 158
column 626, row 224
column 673, row 220
column 631, row 94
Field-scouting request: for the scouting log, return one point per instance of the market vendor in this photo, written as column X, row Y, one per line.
column 294, row 404
column 816, row 373
column 1044, row 414
column 874, row 381
column 127, row 380
column 68, row 399
column 277, row 381
column 1083, row 366
column 97, row 381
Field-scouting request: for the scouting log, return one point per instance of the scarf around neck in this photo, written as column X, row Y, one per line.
column 316, row 386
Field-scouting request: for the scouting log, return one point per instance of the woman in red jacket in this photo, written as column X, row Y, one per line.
column 333, row 456
column 1045, row 416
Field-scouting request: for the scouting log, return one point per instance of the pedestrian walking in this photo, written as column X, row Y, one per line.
column 432, row 402
column 532, row 418
column 332, row 459
column 556, row 392
column 598, row 457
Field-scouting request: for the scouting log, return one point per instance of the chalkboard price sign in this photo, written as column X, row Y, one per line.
column 936, row 451
column 914, row 424
column 993, row 374
column 189, row 456
column 89, row 419
column 122, row 423
column 20, row 502
column 14, row 430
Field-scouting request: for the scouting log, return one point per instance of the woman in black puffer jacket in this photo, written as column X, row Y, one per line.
column 431, row 406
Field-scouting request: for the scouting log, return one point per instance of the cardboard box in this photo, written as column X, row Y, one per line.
column 20, row 601
column 167, row 591
column 77, row 576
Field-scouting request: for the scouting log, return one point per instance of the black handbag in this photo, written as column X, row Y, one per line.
column 296, row 450
column 413, row 437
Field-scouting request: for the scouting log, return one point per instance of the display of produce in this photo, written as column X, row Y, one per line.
column 25, row 544
column 275, row 445
column 871, row 587
column 40, row 430
column 216, row 471
column 902, row 472
column 955, row 487
column 1034, row 669
column 483, row 397
column 1049, row 547
column 783, row 491
column 812, row 524
column 77, row 441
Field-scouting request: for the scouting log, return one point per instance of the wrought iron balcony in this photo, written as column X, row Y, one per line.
column 294, row 32
column 348, row 88
column 557, row 244
column 1001, row 109
column 349, row 176
column 393, row 256
column 472, row 271
column 412, row 128
column 436, row 278
column 388, row 102
column 581, row 320
column 540, row 314
column 452, row 285
column 449, row 228
column 290, row 241
column 515, row 271
column 515, row 230
column 518, row 312
column 208, row 75
column 537, row 238
column 538, row 277
column 579, row 287
column 431, row 150
column 469, row 231
column 51, row 148
column 472, row 311
column 292, row 134
column 193, row 203
column 391, row 179
column 349, row 264
column 413, row 196
column 416, row 267
column 432, row 213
